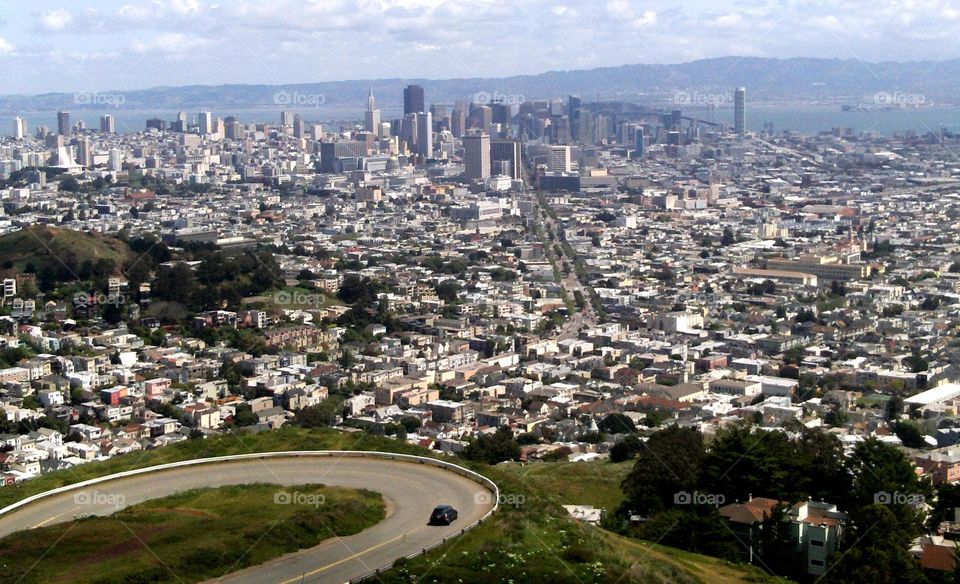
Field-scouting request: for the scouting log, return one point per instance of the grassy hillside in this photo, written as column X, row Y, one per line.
column 531, row 539
column 187, row 537
column 60, row 249
column 574, row 483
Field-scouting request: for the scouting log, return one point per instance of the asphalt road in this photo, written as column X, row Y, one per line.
column 411, row 491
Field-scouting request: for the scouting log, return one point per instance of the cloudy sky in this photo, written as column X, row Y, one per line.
column 98, row 45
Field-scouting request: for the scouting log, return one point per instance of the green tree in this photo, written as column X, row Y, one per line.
column 668, row 463
column 617, row 423
column 322, row 415
column 493, row 448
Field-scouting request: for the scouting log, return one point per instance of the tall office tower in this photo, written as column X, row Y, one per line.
column 408, row 133
column 286, row 119
column 676, row 119
column 481, row 117
column 180, row 124
column 371, row 122
column 413, row 100
column 107, row 124
column 63, row 123
column 205, row 122
column 115, row 163
column 476, row 156
column 556, row 107
column 299, row 127
column 740, row 110
column 506, row 151
column 638, row 141
column 19, row 128
column 458, row 121
column 425, row 134
column 232, row 129
column 559, row 159
column 574, row 104
column 84, row 155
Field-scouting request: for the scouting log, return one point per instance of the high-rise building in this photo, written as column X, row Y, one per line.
column 638, row 142
column 676, row 119
column 458, row 121
column 559, row 159
column 107, row 124
column 371, row 122
column 333, row 154
column 206, row 123
column 286, row 119
column 476, row 156
column 574, row 104
column 299, row 127
column 408, row 131
column 84, row 154
column 19, row 128
column 116, row 160
column 425, row 134
column 63, row 123
column 508, row 152
column 413, row 102
column 158, row 124
column 740, row 110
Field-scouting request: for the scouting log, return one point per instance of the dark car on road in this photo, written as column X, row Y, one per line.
column 443, row 515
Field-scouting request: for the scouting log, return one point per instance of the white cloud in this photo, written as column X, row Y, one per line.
column 170, row 43
column 55, row 20
column 185, row 7
column 648, row 18
column 5, row 47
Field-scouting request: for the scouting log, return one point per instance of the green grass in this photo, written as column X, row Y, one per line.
column 187, row 537
column 41, row 245
column 532, row 539
column 292, row 298
column 594, row 483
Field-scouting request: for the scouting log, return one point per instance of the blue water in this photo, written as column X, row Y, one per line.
column 805, row 119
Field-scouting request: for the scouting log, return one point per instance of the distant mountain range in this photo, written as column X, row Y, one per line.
column 841, row 81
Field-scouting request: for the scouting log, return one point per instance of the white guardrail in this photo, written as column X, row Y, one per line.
column 413, row 459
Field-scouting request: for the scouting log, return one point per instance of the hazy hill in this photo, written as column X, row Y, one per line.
column 798, row 79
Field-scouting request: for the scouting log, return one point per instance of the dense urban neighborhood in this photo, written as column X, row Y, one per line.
column 766, row 323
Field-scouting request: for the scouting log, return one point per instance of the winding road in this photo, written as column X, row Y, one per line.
column 411, row 489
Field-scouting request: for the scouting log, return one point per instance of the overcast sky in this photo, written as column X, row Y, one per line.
column 98, row 45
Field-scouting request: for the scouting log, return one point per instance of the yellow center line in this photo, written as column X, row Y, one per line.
column 347, row 559
column 48, row 520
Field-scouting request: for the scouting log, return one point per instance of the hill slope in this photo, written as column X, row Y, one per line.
column 844, row 80
column 62, row 250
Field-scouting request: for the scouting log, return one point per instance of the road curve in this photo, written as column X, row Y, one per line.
column 412, row 490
